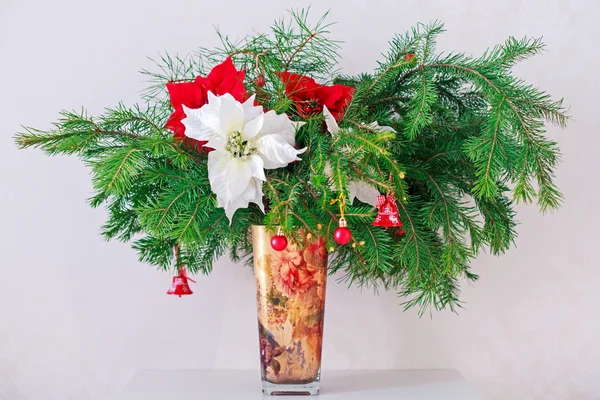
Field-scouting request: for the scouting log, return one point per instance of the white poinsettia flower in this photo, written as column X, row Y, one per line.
column 246, row 141
column 356, row 189
column 363, row 191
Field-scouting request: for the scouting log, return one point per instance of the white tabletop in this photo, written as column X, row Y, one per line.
column 335, row 385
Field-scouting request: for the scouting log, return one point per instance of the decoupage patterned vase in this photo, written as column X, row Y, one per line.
column 291, row 303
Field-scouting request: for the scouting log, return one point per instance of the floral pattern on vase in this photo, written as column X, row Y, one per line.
column 290, row 301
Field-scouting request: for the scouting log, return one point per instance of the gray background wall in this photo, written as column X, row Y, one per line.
column 79, row 316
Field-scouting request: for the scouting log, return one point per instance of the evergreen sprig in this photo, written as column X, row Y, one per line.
column 469, row 141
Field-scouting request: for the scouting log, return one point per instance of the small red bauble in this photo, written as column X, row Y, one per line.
column 342, row 235
column 279, row 242
column 260, row 81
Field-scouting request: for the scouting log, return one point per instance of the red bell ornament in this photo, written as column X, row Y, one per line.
column 260, row 81
column 180, row 286
column 342, row 235
column 387, row 215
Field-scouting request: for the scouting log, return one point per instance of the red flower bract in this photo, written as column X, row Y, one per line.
column 310, row 97
column 223, row 78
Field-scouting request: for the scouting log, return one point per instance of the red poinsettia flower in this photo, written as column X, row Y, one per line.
column 310, row 97
column 223, row 78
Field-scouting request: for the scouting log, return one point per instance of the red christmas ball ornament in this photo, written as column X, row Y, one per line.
column 342, row 235
column 279, row 242
column 260, row 81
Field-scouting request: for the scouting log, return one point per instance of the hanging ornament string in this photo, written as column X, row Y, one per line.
column 342, row 235
column 180, row 267
column 260, row 79
column 341, row 200
column 183, row 273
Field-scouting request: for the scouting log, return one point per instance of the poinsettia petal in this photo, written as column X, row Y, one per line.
column 194, row 144
column 216, row 143
column 363, row 191
column 174, row 122
column 239, row 90
column 279, row 124
column 184, row 93
column 234, row 85
column 298, row 86
column 297, row 124
column 231, row 115
column 230, row 179
column 252, row 194
column 201, row 124
column 239, row 202
column 250, row 110
column 224, row 78
column 374, row 126
column 226, row 68
column 238, row 175
column 189, row 94
column 217, row 168
column 252, row 127
column 276, row 152
column 332, row 126
column 336, row 98
column 310, row 97
column 257, row 167
column 235, row 205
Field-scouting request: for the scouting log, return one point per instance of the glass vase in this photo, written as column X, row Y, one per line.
column 290, row 286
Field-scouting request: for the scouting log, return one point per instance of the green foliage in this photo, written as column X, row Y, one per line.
column 467, row 134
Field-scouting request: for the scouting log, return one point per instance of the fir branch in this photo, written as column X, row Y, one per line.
column 189, row 222
column 286, row 64
column 120, row 167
